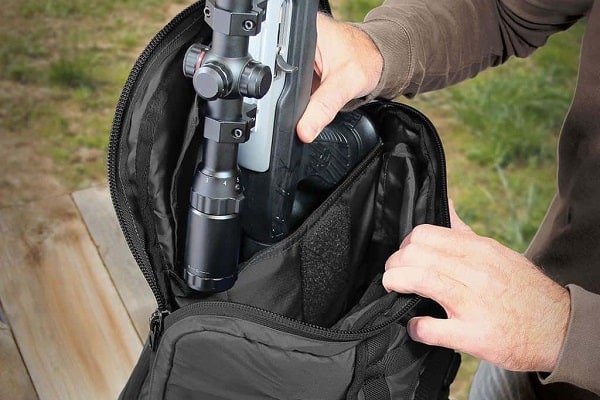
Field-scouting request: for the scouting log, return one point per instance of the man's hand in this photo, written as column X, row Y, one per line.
column 500, row 307
column 348, row 65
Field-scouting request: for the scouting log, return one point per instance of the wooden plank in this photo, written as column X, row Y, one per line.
column 15, row 383
column 70, row 325
column 97, row 211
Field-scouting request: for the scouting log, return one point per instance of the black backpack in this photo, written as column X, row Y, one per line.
column 308, row 317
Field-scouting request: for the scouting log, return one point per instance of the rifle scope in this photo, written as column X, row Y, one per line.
column 223, row 74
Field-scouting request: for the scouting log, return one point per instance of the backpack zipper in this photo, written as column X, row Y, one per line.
column 157, row 323
column 279, row 322
column 119, row 200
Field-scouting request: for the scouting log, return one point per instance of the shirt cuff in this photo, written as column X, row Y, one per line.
column 579, row 359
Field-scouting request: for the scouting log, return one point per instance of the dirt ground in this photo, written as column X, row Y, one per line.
column 28, row 169
column 27, row 173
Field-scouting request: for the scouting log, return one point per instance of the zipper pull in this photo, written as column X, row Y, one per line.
column 156, row 327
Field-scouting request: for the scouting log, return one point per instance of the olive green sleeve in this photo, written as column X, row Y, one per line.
column 579, row 359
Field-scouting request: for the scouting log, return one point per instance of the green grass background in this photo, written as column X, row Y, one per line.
column 62, row 66
column 63, row 63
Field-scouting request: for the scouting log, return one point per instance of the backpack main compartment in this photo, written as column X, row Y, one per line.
column 308, row 317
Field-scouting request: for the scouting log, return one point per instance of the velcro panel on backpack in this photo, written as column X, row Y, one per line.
column 325, row 261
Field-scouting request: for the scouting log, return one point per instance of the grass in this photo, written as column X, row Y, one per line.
column 72, row 72
column 17, row 53
column 66, row 62
column 80, row 8
column 500, row 132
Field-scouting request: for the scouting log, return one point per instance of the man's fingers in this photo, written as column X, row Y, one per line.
column 458, row 242
column 435, row 331
column 419, row 254
column 322, row 108
column 427, row 282
column 344, row 76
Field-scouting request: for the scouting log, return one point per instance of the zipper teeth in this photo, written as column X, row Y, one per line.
column 118, row 198
column 281, row 322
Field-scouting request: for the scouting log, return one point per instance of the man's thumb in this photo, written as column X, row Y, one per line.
column 322, row 108
column 455, row 222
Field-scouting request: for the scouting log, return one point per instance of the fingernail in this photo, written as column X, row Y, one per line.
column 383, row 279
column 305, row 132
column 310, row 133
column 410, row 329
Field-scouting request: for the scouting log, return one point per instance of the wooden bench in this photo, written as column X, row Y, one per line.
column 75, row 305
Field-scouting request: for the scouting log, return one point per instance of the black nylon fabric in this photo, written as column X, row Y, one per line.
column 138, row 379
column 235, row 359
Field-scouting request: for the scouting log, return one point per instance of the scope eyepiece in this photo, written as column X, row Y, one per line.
column 210, row 259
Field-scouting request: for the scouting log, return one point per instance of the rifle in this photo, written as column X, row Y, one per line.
column 256, row 181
